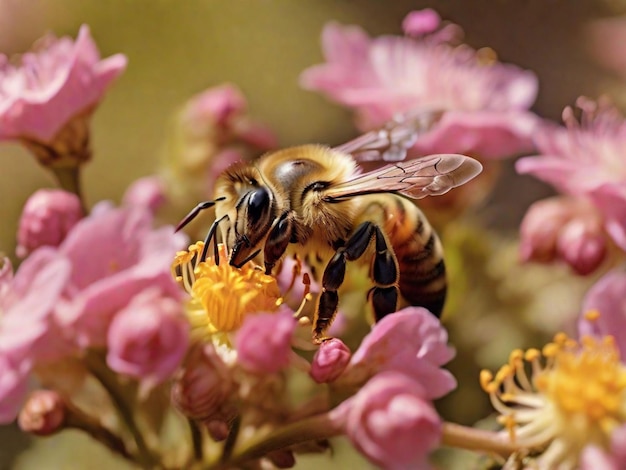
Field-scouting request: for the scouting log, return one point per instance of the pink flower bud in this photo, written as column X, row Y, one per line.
column 148, row 338
column 218, row 104
column 43, row 414
column 566, row 229
column 282, row 458
column 263, row 342
column 218, row 429
column 329, row 361
column 203, row 385
column 582, row 245
column 148, row 192
column 421, row 22
column 391, row 422
column 48, row 216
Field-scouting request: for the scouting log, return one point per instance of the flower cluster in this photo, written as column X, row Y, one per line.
column 176, row 357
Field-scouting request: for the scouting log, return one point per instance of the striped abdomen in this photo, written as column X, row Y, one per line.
column 417, row 248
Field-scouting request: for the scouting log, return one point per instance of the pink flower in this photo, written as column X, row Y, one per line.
column 330, row 361
column 595, row 458
column 148, row 192
column 114, row 254
column 608, row 298
column 263, row 342
column 485, row 102
column 204, row 385
column 47, row 217
column 26, row 304
column 586, row 160
column 148, row 338
column 392, row 422
column 564, row 228
column 52, row 85
column 411, row 341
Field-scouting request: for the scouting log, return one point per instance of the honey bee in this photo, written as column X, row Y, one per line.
column 314, row 202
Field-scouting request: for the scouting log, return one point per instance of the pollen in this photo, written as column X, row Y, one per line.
column 556, row 401
column 222, row 295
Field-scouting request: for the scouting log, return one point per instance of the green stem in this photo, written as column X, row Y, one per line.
column 108, row 380
column 68, row 179
column 464, row 437
column 310, row 429
column 196, row 440
column 231, row 439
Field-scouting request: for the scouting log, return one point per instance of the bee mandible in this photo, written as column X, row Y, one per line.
column 314, row 202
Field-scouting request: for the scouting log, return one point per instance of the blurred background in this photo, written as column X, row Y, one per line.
column 178, row 48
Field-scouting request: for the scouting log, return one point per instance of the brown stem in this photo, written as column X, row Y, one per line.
column 310, row 429
column 109, row 382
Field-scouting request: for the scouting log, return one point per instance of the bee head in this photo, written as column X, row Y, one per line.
column 251, row 225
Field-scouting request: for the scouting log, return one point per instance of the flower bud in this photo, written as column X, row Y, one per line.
column 43, row 414
column 148, row 338
column 263, row 342
column 329, row 361
column 421, row 22
column 148, row 192
column 282, row 458
column 203, row 385
column 391, row 422
column 47, row 217
column 582, row 245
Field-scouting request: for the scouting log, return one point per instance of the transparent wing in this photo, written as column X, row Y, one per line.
column 391, row 142
column 426, row 176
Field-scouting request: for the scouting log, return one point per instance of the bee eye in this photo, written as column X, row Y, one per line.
column 258, row 202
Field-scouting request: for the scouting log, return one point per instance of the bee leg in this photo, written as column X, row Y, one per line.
column 384, row 295
column 278, row 240
column 334, row 274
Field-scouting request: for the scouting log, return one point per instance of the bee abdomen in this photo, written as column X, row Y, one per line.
column 423, row 273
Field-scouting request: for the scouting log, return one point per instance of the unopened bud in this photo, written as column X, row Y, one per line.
column 329, row 361
column 43, row 414
column 203, row 386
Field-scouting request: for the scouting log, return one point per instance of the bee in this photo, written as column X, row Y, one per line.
column 314, row 201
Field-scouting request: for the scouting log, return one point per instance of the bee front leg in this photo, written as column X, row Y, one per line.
column 277, row 241
column 384, row 273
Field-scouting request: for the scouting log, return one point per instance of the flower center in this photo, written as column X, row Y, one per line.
column 573, row 397
column 221, row 295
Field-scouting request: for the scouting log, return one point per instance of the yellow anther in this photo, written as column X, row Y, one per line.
column 485, row 379
column 592, row 315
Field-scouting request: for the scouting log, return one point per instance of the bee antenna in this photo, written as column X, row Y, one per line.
column 207, row 241
column 195, row 211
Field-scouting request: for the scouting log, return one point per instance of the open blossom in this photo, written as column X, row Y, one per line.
column 26, row 305
column 573, row 400
column 47, row 217
column 485, row 102
column 392, row 422
column 148, row 338
column 221, row 296
column 263, row 342
column 60, row 81
column 411, row 341
column 564, row 228
column 586, row 160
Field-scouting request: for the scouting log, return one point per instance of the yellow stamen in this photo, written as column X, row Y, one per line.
column 575, row 398
column 222, row 295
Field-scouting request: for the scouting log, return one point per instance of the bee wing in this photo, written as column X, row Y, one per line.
column 391, row 142
column 426, row 176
